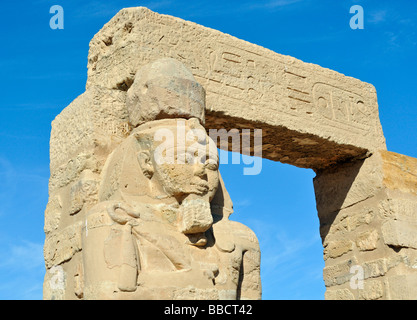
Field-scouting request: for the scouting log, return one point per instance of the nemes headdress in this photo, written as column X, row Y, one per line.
column 165, row 89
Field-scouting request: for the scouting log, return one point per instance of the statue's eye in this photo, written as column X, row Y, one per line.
column 189, row 158
column 211, row 164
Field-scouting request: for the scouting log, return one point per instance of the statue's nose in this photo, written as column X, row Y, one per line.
column 199, row 170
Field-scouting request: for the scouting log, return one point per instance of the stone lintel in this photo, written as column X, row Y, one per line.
column 311, row 117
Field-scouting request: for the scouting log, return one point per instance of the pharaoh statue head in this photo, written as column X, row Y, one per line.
column 161, row 228
column 165, row 89
column 168, row 158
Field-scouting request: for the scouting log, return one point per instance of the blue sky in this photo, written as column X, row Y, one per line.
column 43, row 70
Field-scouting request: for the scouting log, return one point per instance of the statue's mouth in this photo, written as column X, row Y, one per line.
column 199, row 186
column 197, row 239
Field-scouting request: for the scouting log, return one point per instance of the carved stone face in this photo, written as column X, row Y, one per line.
column 198, row 175
column 187, row 166
column 182, row 163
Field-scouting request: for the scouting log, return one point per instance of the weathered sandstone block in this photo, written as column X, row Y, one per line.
column 367, row 212
column 119, row 224
column 85, row 132
column 311, row 117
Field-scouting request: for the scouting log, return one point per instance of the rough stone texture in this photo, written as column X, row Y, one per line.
column 98, row 246
column 61, row 246
column 312, row 117
column 400, row 172
column 339, row 294
column 85, row 132
column 121, row 224
column 337, row 248
column 373, row 290
column 403, row 287
column 82, row 136
column 400, row 234
column 104, row 114
column 153, row 89
column 368, row 213
column 367, row 241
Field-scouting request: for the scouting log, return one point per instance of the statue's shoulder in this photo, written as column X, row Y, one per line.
column 121, row 211
column 229, row 234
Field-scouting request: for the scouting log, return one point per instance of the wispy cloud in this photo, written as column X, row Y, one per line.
column 95, row 9
column 107, row 9
column 194, row 10
column 241, row 203
column 21, row 271
column 17, row 185
column 286, row 259
column 30, row 106
column 289, row 252
column 24, row 256
column 153, row 5
column 8, row 184
column 398, row 40
column 396, row 29
column 49, row 76
column 379, row 16
column 273, row 4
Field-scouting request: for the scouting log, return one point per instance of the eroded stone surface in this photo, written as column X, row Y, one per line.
column 119, row 225
column 312, row 117
column 125, row 221
column 367, row 214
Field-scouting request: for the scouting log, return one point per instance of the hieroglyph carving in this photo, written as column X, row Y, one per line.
column 242, row 80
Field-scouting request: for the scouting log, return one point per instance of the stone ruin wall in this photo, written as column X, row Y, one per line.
column 311, row 117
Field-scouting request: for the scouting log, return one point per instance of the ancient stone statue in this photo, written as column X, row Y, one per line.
column 160, row 229
column 137, row 208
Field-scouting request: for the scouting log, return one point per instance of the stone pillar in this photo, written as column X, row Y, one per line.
column 128, row 219
column 310, row 117
column 82, row 136
column 367, row 211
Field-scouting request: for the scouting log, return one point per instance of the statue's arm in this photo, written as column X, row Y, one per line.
column 250, row 285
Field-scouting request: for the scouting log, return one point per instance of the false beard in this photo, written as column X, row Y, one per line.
column 195, row 215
